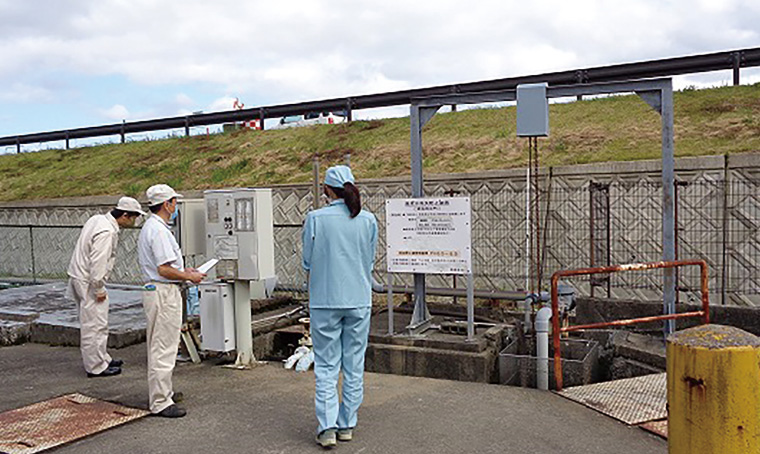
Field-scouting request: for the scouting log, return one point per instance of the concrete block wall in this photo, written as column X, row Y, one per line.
column 720, row 196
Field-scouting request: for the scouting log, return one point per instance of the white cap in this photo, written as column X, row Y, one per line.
column 129, row 204
column 160, row 193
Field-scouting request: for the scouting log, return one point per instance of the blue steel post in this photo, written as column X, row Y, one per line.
column 420, row 313
column 668, row 204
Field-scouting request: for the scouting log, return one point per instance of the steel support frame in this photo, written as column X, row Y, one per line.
column 657, row 93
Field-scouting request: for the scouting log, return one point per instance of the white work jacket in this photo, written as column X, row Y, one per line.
column 157, row 246
column 95, row 251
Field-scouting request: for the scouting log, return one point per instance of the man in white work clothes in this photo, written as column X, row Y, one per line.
column 163, row 271
column 90, row 266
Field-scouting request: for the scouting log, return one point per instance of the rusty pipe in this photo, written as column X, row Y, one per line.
column 556, row 330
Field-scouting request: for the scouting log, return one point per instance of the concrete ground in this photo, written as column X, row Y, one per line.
column 270, row 410
column 42, row 313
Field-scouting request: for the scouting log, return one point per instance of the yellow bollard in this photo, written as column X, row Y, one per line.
column 713, row 391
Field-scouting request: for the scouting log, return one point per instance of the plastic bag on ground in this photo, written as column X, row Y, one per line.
column 297, row 355
column 305, row 362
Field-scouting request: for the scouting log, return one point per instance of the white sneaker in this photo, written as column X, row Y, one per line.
column 326, row 439
column 345, row 434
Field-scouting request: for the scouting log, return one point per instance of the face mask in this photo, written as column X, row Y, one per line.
column 174, row 215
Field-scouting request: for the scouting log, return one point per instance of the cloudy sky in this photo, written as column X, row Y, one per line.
column 76, row 63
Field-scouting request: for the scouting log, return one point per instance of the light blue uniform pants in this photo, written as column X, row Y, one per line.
column 340, row 340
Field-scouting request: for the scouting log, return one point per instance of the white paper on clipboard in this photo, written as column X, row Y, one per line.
column 208, row 265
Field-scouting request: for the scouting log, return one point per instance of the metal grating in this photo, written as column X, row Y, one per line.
column 632, row 400
column 657, row 427
column 51, row 423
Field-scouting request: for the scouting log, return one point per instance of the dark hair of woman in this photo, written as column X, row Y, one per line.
column 350, row 194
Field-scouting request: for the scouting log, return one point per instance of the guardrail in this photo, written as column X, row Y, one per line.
column 557, row 331
column 734, row 60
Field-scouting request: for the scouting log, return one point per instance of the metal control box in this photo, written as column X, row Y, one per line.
column 191, row 227
column 217, row 317
column 239, row 232
column 532, row 110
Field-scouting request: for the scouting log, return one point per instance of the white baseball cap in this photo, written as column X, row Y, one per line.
column 129, row 204
column 160, row 193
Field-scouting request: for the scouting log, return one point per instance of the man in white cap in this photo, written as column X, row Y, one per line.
column 163, row 271
column 88, row 272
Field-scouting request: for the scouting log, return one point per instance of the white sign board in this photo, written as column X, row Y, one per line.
column 430, row 236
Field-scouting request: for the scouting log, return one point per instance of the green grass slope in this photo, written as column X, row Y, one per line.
column 707, row 122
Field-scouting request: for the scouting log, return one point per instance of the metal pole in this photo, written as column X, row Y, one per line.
column 262, row 115
column 546, row 223
column 591, row 234
column 123, row 139
column 736, row 61
column 668, row 205
column 723, row 265
column 420, row 313
column 390, row 304
column 677, row 239
column 528, row 230
column 187, row 127
column 18, row 146
column 243, row 331
column 349, row 111
column 315, row 183
column 67, row 140
column 31, row 244
column 608, row 234
column 470, row 308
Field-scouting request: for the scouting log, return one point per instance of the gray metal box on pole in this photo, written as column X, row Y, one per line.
column 532, row 110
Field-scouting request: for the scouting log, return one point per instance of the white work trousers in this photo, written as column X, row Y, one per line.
column 163, row 309
column 93, row 326
column 340, row 341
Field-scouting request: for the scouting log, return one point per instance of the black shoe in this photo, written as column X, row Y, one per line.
column 116, row 363
column 106, row 373
column 172, row 411
column 178, row 397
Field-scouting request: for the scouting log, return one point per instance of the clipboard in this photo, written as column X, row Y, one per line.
column 208, row 265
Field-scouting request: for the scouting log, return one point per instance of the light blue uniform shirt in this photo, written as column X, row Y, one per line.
column 339, row 254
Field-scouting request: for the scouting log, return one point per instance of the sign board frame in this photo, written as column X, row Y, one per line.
column 429, row 235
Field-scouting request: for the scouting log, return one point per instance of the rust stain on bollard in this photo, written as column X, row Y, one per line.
column 713, row 391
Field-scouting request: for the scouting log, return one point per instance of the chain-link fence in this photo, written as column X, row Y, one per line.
column 585, row 223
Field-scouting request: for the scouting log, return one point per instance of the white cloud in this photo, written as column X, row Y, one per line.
column 275, row 52
column 116, row 112
column 222, row 104
column 20, row 92
column 183, row 100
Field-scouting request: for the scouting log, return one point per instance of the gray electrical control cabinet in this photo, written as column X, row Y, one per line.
column 532, row 110
column 239, row 232
column 217, row 317
column 191, row 227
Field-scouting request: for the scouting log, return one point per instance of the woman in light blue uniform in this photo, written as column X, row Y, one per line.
column 339, row 243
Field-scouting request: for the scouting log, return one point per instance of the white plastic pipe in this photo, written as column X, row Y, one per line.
column 543, row 317
column 528, row 310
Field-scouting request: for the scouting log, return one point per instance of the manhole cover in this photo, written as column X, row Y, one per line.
column 632, row 400
column 54, row 422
